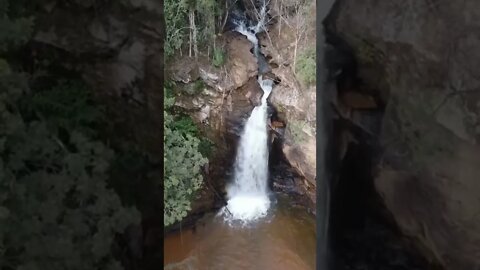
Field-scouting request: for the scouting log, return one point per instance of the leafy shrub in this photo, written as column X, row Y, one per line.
column 182, row 166
column 56, row 209
column 53, row 190
column 14, row 31
column 206, row 147
column 218, row 57
column 306, row 67
column 185, row 126
column 68, row 105
column 176, row 25
column 199, row 86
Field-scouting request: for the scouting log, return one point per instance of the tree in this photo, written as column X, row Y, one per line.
column 56, row 210
column 296, row 17
column 198, row 17
column 13, row 31
column 176, row 13
column 182, row 171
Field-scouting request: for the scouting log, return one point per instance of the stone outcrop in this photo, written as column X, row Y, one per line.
column 294, row 101
column 421, row 59
column 219, row 98
column 117, row 47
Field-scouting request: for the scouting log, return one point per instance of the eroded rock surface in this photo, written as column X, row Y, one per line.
column 428, row 55
column 295, row 101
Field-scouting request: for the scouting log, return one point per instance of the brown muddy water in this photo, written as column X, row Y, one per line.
column 284, row 240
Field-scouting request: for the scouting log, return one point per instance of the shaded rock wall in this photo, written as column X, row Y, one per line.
column 117, row 47
column 420, row 58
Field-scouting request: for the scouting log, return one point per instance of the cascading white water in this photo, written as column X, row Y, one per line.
column 248, row 194
column 250, row 33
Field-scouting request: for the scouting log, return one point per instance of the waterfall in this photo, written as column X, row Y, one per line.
column 248, row 193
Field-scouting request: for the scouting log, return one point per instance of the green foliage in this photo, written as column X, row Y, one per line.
column 68, row 105
column 182, row 166
column 169, row 93
column 199, row 86
column 53, row 190
column 218, row 57
column 176, row 17
column 133, row 177
column 306, row 65
column 56, row 210
column 178, row 24
column 14, row 32
column 207, row 10
column 185, row 126
column 206, row 147
column 4, row 67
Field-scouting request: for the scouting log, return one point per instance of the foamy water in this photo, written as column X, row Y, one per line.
column 248, row 193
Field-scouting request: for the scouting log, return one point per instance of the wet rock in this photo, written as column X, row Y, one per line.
column 252, row 91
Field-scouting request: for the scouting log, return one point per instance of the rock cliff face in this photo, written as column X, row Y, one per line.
column 421, row 59
column 293, row 99
column 117, row 47
column 220, row 98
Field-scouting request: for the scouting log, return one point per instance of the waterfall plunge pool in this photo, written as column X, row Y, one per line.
column 283, row 239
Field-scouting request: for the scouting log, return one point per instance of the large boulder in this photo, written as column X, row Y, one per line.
column 241, row 63
column 427, row 55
